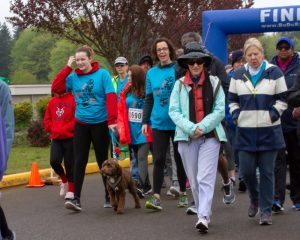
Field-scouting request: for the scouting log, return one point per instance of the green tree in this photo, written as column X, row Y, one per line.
column 5, row 43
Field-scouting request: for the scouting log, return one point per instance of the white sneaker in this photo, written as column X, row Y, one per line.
column 175, row 190
column 191, row 210
column 69, row 195
column 63, row 189
column 202, row 224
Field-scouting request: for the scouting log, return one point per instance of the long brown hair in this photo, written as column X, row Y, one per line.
column 170, row 46
column 138, row 81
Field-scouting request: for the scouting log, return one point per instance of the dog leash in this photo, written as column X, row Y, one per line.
column 119, row 151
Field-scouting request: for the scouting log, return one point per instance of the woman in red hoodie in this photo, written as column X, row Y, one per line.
column 59, row 122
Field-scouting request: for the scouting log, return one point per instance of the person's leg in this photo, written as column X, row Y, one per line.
column 248, row 164
column 100, row 139
column 280, row 180
column 69, row 162
column 142, row 157
column 294, row 166
column 82, row 142
column 266, row 163
column 181, row 175
column 5, row 231
column 160, row 146
column 56, row 158
column 133, row 163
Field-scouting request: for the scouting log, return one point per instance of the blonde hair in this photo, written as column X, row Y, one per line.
column 253, row 42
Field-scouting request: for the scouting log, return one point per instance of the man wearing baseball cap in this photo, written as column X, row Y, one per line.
column 289, row 62
column 120, row 80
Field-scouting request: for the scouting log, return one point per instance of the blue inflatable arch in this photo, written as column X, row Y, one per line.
column 217, row 24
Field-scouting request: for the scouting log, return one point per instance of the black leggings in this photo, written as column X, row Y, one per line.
column 84, row 134
column 5, row 231
column 161, row 140
column 62, row 150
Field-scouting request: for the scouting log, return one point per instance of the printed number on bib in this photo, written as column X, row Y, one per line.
column 135, row 115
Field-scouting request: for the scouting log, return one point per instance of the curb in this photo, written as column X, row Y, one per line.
column 23, row 178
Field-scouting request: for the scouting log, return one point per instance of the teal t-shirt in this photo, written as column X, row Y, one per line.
column 160, row 82
column 90, row 95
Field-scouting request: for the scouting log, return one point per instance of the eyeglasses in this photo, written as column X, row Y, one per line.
column 164, row 49
column 285, row 47
column 119, row 65
column 192, row 62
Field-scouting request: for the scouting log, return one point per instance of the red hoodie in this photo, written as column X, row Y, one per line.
column 59, row 116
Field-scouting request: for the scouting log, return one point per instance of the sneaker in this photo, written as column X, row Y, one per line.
column 63, row 189
column 11, row 237
column 170, row 194
column 140, row 193
column 229, row 196
column 202, row 225
column 242, row 186
column 153, row 203
column 69, row 195
column 175, row 190
column 265, row 219
column 107, row 203
column 277, row 207
column 191, row 210
column 73, row 204
column 147, row 190
column 297, row 206
column 183, row 200
column 252, row 210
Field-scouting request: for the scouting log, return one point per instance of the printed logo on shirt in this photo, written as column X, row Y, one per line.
column 86, row 94
column 59, row 112
column 166, row 88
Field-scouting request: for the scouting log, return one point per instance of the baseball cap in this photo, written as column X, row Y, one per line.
column 285, row 39
column 122, row 60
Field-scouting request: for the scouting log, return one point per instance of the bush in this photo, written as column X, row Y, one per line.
column 23, row 113
column 41, row 106
column 36, row 135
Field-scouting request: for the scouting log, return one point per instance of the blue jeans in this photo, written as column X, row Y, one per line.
column 262, row 193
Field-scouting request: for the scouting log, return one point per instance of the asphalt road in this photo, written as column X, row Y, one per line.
column 39, row 214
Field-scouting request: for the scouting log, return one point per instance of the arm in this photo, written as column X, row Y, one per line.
column 233, row 99
column 175, row 112
column 48, row 118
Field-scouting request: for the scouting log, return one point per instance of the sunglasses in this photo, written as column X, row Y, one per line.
column 119, row 65
column 193, row 61
column 284, row 47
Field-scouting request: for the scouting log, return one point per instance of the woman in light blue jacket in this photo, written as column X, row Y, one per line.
column 197, row 107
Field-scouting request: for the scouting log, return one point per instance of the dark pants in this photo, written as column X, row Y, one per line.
column 83, row 136
column 293, row 157
column 62, row 150
column 280, row 176
column 5, row 231
column 262, row 193
column 161, row 140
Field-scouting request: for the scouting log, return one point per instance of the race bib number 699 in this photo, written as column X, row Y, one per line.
column 135, row 115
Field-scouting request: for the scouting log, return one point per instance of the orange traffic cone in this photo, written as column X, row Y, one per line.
column 35, row 179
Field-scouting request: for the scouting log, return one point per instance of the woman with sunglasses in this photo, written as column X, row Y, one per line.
column 159, row 84
column 197, row 107
column 96, row 111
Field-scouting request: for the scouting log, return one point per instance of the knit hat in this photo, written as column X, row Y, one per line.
column 236, row 56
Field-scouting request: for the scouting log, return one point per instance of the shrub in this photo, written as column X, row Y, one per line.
column 36, row 135
column 41, row 106
column 23, row 114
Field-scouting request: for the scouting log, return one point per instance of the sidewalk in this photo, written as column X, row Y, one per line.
column 23, row 178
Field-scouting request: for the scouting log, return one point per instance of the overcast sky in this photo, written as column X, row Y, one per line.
column 4, row 9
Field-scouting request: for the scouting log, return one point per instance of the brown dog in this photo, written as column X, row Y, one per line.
column 118, row 180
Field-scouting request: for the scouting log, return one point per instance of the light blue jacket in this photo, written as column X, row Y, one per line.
column 179, row 112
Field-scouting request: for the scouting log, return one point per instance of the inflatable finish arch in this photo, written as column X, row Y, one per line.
column 217, row 24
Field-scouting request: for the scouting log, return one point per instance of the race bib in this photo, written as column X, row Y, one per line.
column 135, row 115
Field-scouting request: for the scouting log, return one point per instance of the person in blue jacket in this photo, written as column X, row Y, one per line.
column 257, row 99
column 6, row 139
column 197, row 107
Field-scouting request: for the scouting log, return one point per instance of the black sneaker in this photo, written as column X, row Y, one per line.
column 147, row 190
column 73, row 204
column 242, row 187
column 277, row 207
column 140, row 192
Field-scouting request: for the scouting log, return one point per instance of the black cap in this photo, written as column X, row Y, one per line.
column 146, row 58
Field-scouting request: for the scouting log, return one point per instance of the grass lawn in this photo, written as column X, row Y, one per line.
column 21, row 157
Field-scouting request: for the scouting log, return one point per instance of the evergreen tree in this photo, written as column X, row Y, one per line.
column 5, row 43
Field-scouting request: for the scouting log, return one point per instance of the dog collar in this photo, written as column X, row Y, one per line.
column 114, row 182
